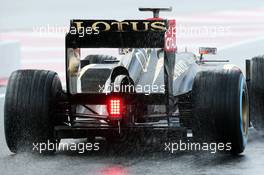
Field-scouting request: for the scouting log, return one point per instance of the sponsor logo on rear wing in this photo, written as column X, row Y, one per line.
column 170, row 37
column 119, row 26
column 121, row 34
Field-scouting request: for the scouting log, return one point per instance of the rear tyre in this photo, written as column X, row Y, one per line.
column 29, row 109
column 97, row 59
column 257, row 92
column 220, row 108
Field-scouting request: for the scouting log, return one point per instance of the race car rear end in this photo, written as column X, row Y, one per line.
column 105, row 94
column 124, row 107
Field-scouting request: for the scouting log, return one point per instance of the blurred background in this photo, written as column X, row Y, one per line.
column 32, row 32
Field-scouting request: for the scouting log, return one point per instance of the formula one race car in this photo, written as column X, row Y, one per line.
column 124, row 77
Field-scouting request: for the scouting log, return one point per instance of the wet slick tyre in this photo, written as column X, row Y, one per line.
column 220, row 108
column 29, row 109
column 257, row 92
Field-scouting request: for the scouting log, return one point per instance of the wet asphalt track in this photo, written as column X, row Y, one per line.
column 128, row 161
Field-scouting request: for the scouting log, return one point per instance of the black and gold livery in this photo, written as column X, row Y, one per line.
column 118, row 34
column 212, row 101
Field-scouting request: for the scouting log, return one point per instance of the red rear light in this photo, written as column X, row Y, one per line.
column 114, row 107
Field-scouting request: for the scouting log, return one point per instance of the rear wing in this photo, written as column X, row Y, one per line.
column 116, row 34
column 126, row 34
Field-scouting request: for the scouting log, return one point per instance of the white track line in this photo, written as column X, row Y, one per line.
column 240, row 43
column 49, row 60
column 2, row 95
column 38, row 49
